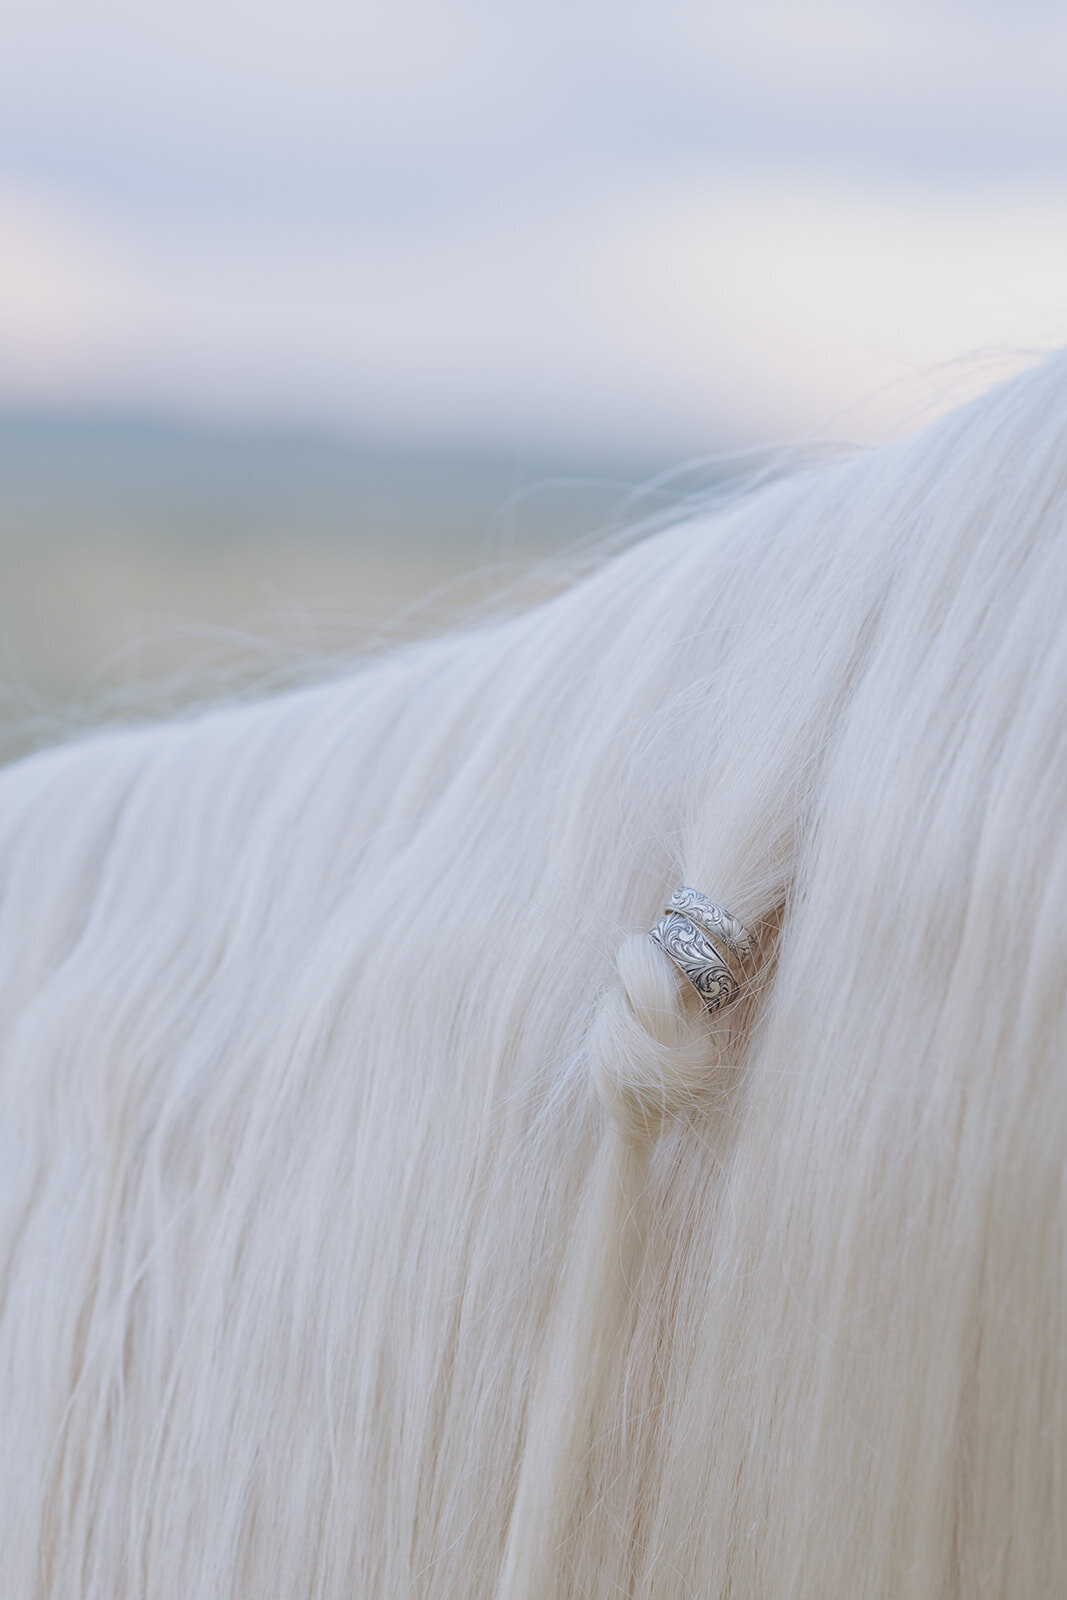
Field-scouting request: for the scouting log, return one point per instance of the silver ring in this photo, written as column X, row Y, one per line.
column 718, row 923
column 686, row 933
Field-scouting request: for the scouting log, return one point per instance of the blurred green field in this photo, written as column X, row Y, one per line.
column 143, row 564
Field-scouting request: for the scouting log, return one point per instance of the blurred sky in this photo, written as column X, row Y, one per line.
column 666, row 225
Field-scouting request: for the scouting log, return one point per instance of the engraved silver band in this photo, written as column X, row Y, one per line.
column 718, row 923
column 693, row 933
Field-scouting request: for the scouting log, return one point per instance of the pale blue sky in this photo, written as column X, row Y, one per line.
column 663, row 221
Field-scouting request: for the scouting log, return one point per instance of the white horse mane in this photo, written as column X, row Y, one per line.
column 381, row 1217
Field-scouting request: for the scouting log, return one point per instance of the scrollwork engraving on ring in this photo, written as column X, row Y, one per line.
column 693, row 953
column 718, row 923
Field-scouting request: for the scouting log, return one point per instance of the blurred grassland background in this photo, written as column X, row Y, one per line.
column 322, row 320
column 145, row 561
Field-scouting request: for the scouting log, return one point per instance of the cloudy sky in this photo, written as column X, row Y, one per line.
column 654, row 223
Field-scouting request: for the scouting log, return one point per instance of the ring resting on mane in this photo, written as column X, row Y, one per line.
column 707, row 944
